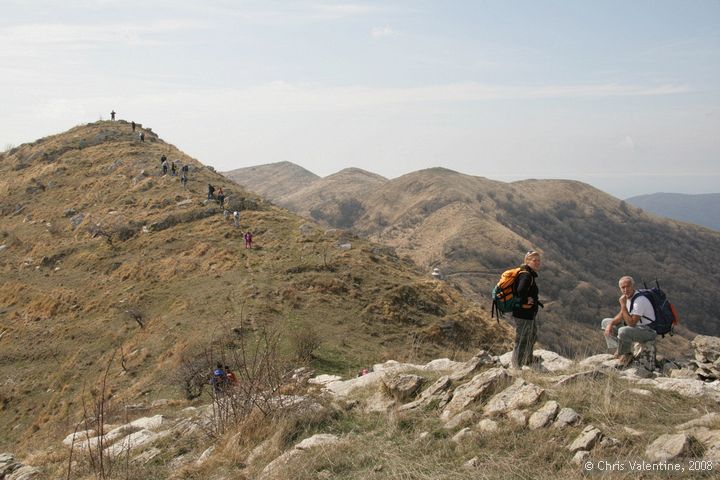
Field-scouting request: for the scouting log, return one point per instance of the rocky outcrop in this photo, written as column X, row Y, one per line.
column 11, row 469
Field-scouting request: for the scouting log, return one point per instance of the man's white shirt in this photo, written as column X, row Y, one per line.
column 642, row 307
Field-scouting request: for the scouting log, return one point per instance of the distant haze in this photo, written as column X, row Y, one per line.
column 622, row 95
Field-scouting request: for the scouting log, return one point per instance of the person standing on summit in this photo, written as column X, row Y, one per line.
column 525, row 313
column 112, row 115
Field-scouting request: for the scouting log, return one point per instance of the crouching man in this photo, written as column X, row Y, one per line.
column 631, row 324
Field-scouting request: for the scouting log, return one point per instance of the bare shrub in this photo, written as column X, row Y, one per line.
column 304, row 343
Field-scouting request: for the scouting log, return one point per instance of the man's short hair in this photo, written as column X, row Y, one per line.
column 627, row 277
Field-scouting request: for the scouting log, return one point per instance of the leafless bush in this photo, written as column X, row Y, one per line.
column 304, row 343
column 97, row 408
column 259, row 375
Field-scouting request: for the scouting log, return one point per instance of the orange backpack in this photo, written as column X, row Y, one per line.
column 505, row 293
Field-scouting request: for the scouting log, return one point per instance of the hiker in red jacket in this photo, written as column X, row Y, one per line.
column 248, row 240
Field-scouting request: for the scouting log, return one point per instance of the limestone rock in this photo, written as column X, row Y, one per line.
column 472, row 464
column 378, row 402
column 595, row 360
column 402, row 387
column 147, row 456
column 669, row 446
column 487, row 425
column 519, row 417
column 704, row 421
column 463, row 436
column 707, row 348
column 345, row 387
column 8, row 464
column 427, row 396
column 461, row 418
column 149, row 423
column 566, row 417
column 544, row 415
column 586, row 440
column 481, row 359
column 580, row 457
column 25, row 472
column 551, row 361
column 79, row 437
column 324, row 379
column 467, row 393
column 686, row 387
column 520, row 394
column 316, row 441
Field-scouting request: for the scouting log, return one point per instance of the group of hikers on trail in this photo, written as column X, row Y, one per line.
column 172, row 166
column 643, row 314
column 222, row 379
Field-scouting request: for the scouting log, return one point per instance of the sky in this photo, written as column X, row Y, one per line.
column 624, row 95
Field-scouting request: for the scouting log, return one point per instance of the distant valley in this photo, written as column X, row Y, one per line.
column 701, row 209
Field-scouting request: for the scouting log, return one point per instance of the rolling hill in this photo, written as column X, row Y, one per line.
column 472, row 228
column 109, row 269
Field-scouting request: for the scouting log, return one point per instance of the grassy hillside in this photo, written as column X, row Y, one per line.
column 472, row 228
column 101, row 255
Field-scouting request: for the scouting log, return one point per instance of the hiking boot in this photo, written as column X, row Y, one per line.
column 624, row 360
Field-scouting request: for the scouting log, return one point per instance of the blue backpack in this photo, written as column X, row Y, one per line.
column 666, row 318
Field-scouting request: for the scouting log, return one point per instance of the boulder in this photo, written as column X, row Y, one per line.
column 25, row 472
column 566, row 417
column 519, row 417
column 316, row 441
column 487, row 425
column 464, row 436
column 8, row 464
column 403, row 386
column 685, row 387
column 520, row 394
column 460, row 419
column 705, row 421
column 148, row 423
column 669, row 446
column 544, row 415
column 427, row 396
column 551, row 361
column 378, row 402
column 595, row 360
column 707, row 348
column 324, row 379
column 468, row 368
column 586, row 440
column 580, row 457
column 481, row 385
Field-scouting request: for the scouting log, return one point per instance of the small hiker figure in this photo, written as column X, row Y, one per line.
column 221, row 197
column 248, row 240
column 219, row 379
column 236, row 218
column 185, row 169
column 142, row 136
column 164, row 167
column 173, row 168
column 183, row 180
column 112, row 115
column 133, row 125
column 211, row 192
column 162, row 158
column 231, row 378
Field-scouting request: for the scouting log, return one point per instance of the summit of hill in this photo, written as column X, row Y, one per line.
column 109, row 267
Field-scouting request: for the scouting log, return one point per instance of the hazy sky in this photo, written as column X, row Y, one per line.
column 624, row 95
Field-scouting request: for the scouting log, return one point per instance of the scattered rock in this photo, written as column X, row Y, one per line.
column 580, row 457
column 520, row 394
column 487, row 425
column 402, row 387
column 467, row 393
column 430, row 394
column 463, row 436
column 473, row 463
column 519, row 417
column 25, row 472
column 544, row 415
column 586, row 440
column 205, row 455
column 566, row 417
column 669, row 446
column 461, row 418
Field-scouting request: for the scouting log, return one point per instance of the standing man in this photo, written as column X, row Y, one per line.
column 112, row 115
column 636, row 313
column 525, row 312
